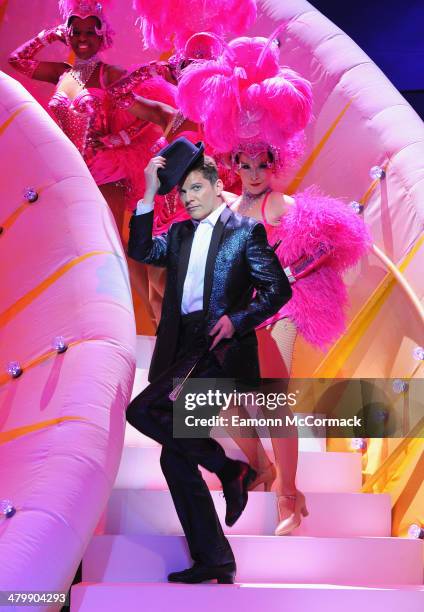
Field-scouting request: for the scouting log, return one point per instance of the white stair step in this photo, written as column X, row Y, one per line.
column 139, row 512
column 248, row 597
column 323, row 472
column 262, row 559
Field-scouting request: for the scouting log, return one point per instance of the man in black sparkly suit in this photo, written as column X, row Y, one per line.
column 214, row 262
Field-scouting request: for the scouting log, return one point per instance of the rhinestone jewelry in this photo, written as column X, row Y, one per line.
column 83, row 69
column 249, row 199
column 177, row 122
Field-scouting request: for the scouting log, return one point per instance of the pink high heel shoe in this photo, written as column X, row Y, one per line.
column 265, row 477
column 290, row 519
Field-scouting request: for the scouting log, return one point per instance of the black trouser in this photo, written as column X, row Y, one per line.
column 151, row 413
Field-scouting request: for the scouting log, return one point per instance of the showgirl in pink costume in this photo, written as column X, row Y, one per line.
column 90, row 106
column 85, row 106
column 255, row 111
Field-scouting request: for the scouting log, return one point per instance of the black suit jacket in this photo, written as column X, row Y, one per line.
column 239, row 261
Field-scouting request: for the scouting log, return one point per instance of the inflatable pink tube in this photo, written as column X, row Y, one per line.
column 64, row 282
column 63, row 274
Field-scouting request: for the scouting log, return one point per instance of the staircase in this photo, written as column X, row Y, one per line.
column 340, row 559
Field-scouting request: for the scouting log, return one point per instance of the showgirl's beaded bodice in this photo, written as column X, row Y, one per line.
column 87, row 114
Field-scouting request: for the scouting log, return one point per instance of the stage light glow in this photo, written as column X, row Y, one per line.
column 416, row 532
column 358, row 444
column 381, row 415
column 357, row 207
column 400, row 386
column 59, row 344
column 14, row 369
column 418, row 353
column 30, row 195
column 7, row 508
column 377, row 172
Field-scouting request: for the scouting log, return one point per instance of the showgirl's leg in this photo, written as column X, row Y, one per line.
column 276, row 346
column 114, row 194
column 290, row 502
column 252, row 448
column 283, row 335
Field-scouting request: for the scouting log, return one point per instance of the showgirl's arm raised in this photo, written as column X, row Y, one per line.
column 149, row 110
column 22, row 59
column 125, row 136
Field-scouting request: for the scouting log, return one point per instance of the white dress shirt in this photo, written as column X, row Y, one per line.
column 195, row 278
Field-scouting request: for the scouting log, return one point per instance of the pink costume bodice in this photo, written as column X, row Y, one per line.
column 87, row 114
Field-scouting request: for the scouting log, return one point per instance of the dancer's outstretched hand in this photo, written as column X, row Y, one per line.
column 151, row 175
column 223, row 329
column 60, row 32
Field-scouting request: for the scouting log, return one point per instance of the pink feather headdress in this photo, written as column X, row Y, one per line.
column 170, row 23
column 88, row 8
column 199, row 47
column 246, row 101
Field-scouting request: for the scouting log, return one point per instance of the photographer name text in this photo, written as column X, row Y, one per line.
column 287, row 421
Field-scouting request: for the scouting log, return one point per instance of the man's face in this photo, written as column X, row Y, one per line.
column 199, row 196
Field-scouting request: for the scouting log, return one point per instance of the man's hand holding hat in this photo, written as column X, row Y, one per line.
column 151, row 177
column 165, row 170
column 180, row 156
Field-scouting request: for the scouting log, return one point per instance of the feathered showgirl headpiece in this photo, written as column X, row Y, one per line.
column 88, row 8
column 246, row 101
column 199, row 47
column 170, row 23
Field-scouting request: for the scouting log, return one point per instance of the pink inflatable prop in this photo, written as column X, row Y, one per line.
column 63, row 274
column 64, row 283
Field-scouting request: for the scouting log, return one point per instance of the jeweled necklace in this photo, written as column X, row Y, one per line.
column 249, row 199
column 177, row 121
column 82, row 70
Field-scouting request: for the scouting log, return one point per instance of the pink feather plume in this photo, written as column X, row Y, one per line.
column 170, row 23
column 67, row 6
column 320, row 298
column 237, row 99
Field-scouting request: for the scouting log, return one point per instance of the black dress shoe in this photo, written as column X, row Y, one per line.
column 223, row 574
column 235, row 491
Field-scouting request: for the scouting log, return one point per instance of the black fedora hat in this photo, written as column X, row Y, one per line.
column 180, row 156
